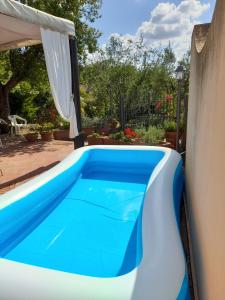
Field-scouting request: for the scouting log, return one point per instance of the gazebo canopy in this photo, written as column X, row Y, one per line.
column 20, row 25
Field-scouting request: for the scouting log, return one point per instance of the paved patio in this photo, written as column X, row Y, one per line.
column 20, row 160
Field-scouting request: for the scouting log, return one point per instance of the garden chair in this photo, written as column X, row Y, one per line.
column 16, row 126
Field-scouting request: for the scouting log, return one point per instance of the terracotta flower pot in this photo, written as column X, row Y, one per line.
column 88, row 131
column 109, row 141
column 31, row 137
column 171, row 137
column 46, row 136
column 61, row 134
column 95, row 140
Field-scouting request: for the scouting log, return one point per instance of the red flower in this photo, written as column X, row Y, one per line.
column 169, row 98
column 128, row 132
column 158, row 105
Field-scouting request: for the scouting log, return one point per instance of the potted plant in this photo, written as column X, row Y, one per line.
column 95, row 139
column 88, row 131
column 31, row 133
column 46, row 131
column 170, row 129
column 61, row 132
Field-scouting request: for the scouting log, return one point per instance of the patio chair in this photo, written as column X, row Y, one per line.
column 16, row 127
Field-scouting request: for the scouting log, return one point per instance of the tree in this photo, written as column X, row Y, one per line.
column 28, row 63
column 185, row 63
column 129, row 72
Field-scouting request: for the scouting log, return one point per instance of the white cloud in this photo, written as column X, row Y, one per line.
column 172, row 23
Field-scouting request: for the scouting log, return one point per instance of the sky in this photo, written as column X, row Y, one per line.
column 158, row 22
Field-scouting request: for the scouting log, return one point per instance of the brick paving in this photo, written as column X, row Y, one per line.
column 20, row 160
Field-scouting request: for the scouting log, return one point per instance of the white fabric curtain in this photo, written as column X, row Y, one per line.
column 57, row 57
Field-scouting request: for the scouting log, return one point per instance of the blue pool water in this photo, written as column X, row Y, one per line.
column 87, row 220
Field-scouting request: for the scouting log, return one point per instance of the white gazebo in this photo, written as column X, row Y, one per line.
column 20, row 26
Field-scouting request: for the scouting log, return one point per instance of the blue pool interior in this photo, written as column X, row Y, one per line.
column 87, row 220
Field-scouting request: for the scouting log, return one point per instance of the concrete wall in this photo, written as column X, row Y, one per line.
column 205, row 164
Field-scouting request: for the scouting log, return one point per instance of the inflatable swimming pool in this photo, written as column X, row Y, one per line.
column 101, row 225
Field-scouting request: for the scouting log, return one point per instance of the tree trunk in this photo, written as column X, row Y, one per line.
column 4, row 103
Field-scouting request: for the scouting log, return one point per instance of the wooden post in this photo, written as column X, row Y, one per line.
column 79, row 140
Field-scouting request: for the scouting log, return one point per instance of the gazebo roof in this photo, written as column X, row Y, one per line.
column 20, row 25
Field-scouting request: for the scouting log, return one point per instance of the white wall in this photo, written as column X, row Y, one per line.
column 205, row 164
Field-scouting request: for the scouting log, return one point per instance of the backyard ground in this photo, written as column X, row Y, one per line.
column 20, row 160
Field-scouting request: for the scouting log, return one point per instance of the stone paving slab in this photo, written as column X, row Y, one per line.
column 20, row 160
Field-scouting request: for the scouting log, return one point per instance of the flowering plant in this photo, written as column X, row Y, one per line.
column 129, row 133
column 158, row 105
column 169, row 98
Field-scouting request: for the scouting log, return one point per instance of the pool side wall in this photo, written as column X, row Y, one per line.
column 163, row 263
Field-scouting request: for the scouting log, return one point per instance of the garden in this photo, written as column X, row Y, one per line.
column 128, row 94
column 112, row 134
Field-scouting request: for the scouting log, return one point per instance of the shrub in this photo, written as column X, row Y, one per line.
column 90, row 122
column 33, row 128
column 170, row 126
column 117, row 136
column 46, row 127
column 61, row 123
column 140, row 132
column 152, row 135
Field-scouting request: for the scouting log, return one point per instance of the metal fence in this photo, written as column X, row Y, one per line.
column 141, row 110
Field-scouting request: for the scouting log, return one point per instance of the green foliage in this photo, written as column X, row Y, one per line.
column 21, row 101
column 140, row 132
column 185, row 63
column 90, row 122
column 128, row 72
column 117, row 136
column 60, row 123
column 152, row 135
column 33, row 128
column 46, row 127
column 82, row 12
column 106, row 83
column 170, row 126
column 87, row 100
column 28, row 64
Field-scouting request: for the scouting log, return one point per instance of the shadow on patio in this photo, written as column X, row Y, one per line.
column 18, row 146
column 27, row 176
column 21, row 160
